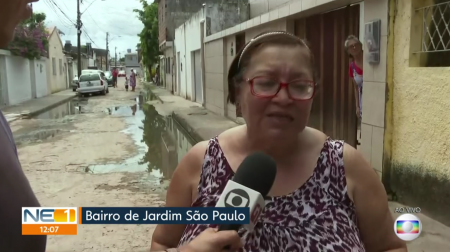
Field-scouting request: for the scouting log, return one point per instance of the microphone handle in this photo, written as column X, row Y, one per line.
column 225, row 227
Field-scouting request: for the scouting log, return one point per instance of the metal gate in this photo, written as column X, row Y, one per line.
column 198, row 77
column 333, row 109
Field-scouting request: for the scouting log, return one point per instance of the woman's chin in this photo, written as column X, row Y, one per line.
column 277, row 134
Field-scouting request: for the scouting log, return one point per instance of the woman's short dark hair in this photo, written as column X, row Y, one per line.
column 242, row 58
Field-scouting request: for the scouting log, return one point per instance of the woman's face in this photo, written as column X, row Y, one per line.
column 354, row 47
column 279, row 116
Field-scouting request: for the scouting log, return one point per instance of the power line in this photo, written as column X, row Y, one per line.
column 62, row 20
column 65, row 15
column 95, row 22
column 88, row 37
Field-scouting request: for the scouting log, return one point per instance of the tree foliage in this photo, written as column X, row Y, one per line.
column 30, row 38
column 149, row 42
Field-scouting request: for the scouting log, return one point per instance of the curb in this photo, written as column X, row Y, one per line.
column 150, row 85
column 40, row 110
column 189, row 130
column 180, row 121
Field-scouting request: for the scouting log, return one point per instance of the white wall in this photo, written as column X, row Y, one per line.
column 180, row 47
column 39, row 76
column 187, row 41
column 21, row 79
column 18, row 79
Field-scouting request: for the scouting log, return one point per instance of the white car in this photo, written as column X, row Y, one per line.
column 93, row 83
column 87, row 71
column 121, row 73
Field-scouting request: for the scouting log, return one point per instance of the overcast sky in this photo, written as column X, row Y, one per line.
column 100, row 16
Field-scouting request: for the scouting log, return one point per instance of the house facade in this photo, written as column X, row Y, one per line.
column 132, row 62
column 172, row 14
column 100, row 58
column 190, row 47
column 56, row 64
column 416, row 121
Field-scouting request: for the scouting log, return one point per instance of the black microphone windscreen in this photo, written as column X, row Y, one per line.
column 257, row 172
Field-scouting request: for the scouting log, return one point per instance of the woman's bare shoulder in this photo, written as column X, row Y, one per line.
column 195, row 155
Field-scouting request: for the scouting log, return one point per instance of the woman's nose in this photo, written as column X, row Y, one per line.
column 283, row 96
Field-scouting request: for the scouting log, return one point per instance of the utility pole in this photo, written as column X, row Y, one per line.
column 115, row 57
column 107, row 51
column 78, row 26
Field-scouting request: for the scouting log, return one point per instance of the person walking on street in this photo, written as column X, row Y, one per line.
column 126, row 83
column 133, row 80
column 115, row 73
column 15, row 189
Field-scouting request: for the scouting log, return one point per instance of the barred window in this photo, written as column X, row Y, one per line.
column 432, row 22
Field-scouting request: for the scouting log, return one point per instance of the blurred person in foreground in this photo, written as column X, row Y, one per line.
column 15, row 190
column 325, row 197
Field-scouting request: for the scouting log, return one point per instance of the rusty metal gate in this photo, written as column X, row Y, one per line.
column 334, row 107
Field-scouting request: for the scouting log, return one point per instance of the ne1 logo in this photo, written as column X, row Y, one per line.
column 49, row 220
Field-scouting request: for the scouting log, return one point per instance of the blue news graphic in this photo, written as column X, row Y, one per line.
column 165, row 215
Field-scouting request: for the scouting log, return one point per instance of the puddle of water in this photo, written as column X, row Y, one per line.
column 72, row 107
column 161, row 142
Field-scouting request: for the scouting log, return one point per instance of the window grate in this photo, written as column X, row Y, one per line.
column 436, row 27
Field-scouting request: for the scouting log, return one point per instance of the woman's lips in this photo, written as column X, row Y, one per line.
column 280, row 118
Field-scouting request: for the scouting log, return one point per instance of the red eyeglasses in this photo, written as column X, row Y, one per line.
column 267, row 87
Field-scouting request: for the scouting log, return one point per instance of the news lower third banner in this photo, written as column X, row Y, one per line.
column 65, row 220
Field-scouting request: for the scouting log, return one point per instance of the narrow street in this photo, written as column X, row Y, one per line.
column 119, row 150
column 91, row 152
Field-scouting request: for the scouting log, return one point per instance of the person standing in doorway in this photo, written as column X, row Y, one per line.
column 354, row 49
column 115, row 73
column 132, row 80
column 15, row 189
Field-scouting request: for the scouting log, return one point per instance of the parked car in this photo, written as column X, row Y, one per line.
column 87, row 71
column 93, row 83
column 121, row 73
column 75, row 83
column 109, row 78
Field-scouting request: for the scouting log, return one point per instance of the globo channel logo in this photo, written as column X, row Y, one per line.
column 407, row 227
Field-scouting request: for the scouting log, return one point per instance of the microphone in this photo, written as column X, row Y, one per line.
column 251, row 183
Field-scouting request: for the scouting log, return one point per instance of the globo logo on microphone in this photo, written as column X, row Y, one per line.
column 237, row 198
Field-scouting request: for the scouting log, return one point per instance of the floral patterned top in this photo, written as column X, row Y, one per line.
column 318, row 216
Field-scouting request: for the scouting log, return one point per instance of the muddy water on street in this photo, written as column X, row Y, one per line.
column 72, row 107
column 161, row 141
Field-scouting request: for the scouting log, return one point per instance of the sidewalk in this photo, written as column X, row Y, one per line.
column 203, row 124
column 199, row 122
column 36, row 106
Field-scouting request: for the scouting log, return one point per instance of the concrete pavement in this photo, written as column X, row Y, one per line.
column 36, row 106
column 203, row 124
column 199, row 122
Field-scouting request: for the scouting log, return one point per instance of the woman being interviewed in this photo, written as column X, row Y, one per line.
column 325, row 197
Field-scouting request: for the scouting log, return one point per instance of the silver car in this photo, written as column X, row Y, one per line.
column 93, row 83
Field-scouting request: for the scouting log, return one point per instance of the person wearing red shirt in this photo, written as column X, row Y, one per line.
column 115, row 73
